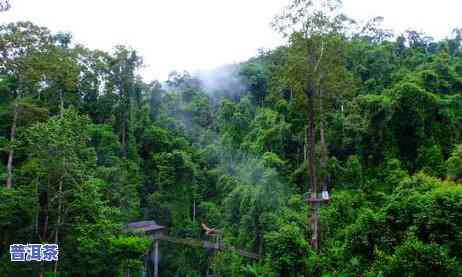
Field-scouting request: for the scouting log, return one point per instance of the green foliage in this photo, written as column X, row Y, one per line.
column 234, row 120
column 268, row 133
column 431, row 160
column 96, row 147
column 352, row 175
column 393, row 174
column 420, row 216
column 16, row 207
column 288, row 250
column 454, row 164
column 129, row 247
column 415, row 258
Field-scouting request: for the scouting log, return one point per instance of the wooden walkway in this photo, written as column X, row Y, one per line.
column 206, row 244
column 156, row 232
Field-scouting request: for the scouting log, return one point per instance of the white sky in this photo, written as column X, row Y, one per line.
column 202, row 34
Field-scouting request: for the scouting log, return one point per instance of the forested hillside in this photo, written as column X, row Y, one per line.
column 89, row 146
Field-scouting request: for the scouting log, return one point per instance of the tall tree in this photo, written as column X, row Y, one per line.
column 20, row 46
column 314, row 29
column 63, row 163
column 123, row 65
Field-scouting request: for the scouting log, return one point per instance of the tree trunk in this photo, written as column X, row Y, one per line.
column 60, row 190
column 312, row 141
column 58, row 221
column 61, row 103
column 305, row 146
column 9, row 167
column 124, row 101
column 323, row 160
column 323, row 146
column 313, row 218
column 45, row 212
column 124, row 137
column 126, row 126
column 37, row 211
column 314, row 223
column 194, row 210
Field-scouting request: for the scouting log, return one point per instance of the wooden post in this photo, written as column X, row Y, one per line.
column 156, row 258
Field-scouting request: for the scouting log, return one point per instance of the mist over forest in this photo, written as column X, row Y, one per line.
column 338, row 153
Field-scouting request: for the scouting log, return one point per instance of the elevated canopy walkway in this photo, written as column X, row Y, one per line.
column 157, row 233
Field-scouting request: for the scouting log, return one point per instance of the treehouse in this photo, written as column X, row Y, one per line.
column 320, row 197
column 155, row 231
column 149, row 227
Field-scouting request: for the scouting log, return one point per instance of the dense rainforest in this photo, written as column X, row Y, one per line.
column 375, row 119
